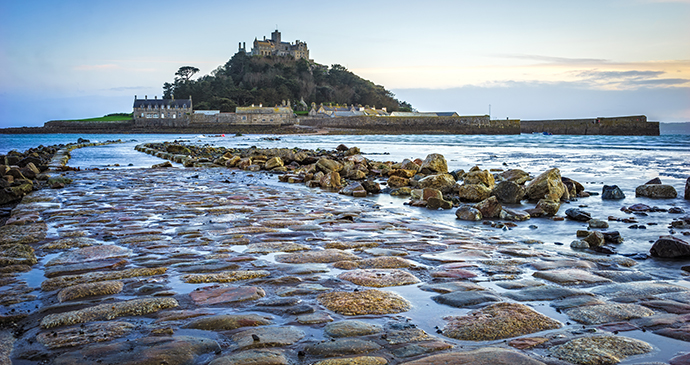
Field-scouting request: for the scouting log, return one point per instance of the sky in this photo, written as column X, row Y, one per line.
column 530, row 59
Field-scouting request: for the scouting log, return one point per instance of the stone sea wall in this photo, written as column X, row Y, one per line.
column 617, row 126
column 413, row 125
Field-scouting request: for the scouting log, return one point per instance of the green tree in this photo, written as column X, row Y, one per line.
column 186, row 72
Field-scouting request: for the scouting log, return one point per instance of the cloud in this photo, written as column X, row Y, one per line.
column 555, row 60
column 628, row 79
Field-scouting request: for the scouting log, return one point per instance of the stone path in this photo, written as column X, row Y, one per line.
column 208, row 265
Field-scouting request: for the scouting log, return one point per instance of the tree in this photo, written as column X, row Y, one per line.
column 186, row 72
column 168, row 90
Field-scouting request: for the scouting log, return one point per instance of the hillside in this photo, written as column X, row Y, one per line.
column 270, row 80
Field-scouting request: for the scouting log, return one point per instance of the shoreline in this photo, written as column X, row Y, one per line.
column 184, row 240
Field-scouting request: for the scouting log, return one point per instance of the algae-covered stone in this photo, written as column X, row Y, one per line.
column 27, row 234
column 379, row 278
column 253, row 357
column 498, row 321
column 267, row 337
column 225, row 322
column 67, row 280
column 610, row 312
column 340, row 347
column 322, row 256
column 484, row 356
column 358, row 360
column 364, row 302
column 134, row 307
column 383, row 262
column 17, row 254
column 176, row 350
column 90, row 289
column 224, row 277
column 351, row 328
column 598, row 350
column 69, row 242
column 89, row 333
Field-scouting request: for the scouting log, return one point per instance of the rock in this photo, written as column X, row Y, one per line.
column 226, row 322
column 331, row 180
column 90, row 289
column 358, row 360
column 26, row 234
column 253, row 357
column 434, row 163
column 108, row 311
column 436, row 203
column 466, row 298
column 599, row 349
column 327, row 165
column 371, row 186
column 607, row 313
column 612, row 192
column 544, row 292
column 578, row 215
column 570, row 277
column 398, row 181
column 416, row 349
column 498, row 321
column 654, row 181
column 379, row 277
column 441, row 182
column 354, row 189
column 176, row 350
column 687, row 189
column 515, row 175
column 514, row 215
column 490, row 207
column 468, row 213
column 656, row 191
column 260, row 337
column 595, row 239
column 165, row 164
column 472, row 193
column 483, row 356
column 340, row 347
column 351, row 328
column 224, row 276
column 597, row 223
column 364, row 302
column 90, row 253
column 579, row 244
column 450, row 287
column 178, row 149
column 273, row 163
column 670, row 247
column 548, row 185
column 550, row 207
column 216, row 294
column 482, row 177
column 323, row 256
column 17, row 254
column 508, row 192
column 88, row 333
column 408, row 164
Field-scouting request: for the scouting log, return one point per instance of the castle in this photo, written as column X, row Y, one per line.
column 276, row 47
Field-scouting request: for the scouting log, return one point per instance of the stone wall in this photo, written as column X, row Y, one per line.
column 417, row 125
column 617, row 126
column 242, row 119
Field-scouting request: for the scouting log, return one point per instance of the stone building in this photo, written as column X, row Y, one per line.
column 260, row 115
column 161, row 112
column 276, row 47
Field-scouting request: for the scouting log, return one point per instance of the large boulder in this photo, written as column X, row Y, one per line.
column 472, row 193
column 516, row 175
column 550, row 207
column 489, row 207
column 548, row 185
column 612, row 192
column 442, row 182
column 670, row 247
column 508, row 192
column 408, row 164
column 398, row 181
column 326, row 165
column 331, row 180
column 434, row 163
column 656, row 191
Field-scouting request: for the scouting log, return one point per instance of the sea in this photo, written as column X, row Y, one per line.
column 594, row 161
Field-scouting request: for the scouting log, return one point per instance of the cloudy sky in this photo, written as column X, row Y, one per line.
column 528, row 59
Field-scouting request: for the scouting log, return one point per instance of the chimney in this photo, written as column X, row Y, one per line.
column 146, row 97
column 155, row 97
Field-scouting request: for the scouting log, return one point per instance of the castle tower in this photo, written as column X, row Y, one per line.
column 275, row 37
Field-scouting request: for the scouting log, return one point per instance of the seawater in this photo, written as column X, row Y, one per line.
column 594, row 161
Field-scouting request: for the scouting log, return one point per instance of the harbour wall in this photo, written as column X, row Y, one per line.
column 415, row 125
column 617, row 126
